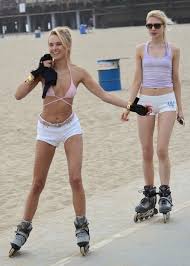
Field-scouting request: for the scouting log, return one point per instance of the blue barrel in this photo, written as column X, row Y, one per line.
column 109, row 74
column 83, row 28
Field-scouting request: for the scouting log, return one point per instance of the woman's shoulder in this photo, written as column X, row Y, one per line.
column 141, row 45
column 76, row 68
column 78, row 71
column 173, row 47
column 140, row 49
column 175, row 50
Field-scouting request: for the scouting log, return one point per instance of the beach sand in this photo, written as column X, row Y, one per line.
column 112, row 157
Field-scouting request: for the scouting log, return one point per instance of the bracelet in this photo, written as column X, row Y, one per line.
column 128, row 105
column 29, row 79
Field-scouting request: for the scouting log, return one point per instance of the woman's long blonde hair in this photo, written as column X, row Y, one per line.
column 63, row 33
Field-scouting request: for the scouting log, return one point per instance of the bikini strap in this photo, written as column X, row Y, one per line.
column 58, row 99
column 70, row 74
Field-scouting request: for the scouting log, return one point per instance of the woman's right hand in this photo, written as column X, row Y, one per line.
column 45, row 62
column 125, row 115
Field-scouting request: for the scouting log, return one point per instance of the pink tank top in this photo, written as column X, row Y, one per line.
column 69, row 94
column 157, row 71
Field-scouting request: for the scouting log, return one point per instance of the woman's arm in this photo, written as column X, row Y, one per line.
column 43, row 72
column 176, row 79
column 136, row 84
column 97, row 90
column 27, row 86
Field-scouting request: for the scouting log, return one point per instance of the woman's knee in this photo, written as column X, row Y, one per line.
column 147, row 153
column 162, row 153
column 75, row 181
column 38, row 186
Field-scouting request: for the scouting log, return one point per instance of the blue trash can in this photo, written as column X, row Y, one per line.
column 109, row 74
column 83, row 28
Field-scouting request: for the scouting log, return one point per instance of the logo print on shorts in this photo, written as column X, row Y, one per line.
column 171, row 103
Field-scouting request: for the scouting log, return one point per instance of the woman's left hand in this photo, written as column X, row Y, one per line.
column 180, row 117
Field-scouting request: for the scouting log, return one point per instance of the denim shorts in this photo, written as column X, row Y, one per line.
column 54, row 134
column 160, row 104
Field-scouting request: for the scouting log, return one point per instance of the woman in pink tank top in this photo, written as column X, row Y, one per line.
column 157, row 81
column 57, row 123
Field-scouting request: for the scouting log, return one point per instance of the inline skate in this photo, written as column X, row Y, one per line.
column 146, row 207
column 82, row 234
column 22, row 233
column 165, row 202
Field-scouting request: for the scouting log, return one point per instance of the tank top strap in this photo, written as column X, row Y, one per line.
column 146, row 48
column 168, row 49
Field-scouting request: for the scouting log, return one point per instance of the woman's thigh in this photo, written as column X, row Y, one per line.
column 74, row 153
column 166, row 122
column 43, row 158
column 146, row 126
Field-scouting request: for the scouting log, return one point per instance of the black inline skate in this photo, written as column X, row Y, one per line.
column 22, row 233
column 165, row 202
column 146, row 207
column 82, row 234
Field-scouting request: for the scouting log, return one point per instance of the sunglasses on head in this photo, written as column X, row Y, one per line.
column 155, row 25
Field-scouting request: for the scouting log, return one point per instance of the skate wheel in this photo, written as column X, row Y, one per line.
column 136, row 218
column 166, row 217
column 12, row 252
column 84, row 250
column 155, row 211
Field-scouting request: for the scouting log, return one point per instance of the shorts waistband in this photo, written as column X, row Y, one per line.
column 49, row 124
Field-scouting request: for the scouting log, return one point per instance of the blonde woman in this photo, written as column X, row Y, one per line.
column 157, row 81
column 59, row 124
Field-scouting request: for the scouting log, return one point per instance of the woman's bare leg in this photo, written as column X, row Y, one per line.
column 165, row 126
column 146, row 129
column 43, row 158
column 74, row 153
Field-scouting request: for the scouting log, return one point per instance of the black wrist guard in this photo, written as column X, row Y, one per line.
column 138, row 108
column 37, row 72
column 47, row 73
column 50, row 77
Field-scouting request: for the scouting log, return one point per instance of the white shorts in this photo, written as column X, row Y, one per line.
column 160, row 104
column 54, row 134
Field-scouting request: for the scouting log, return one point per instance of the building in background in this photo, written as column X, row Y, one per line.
column 29, row 15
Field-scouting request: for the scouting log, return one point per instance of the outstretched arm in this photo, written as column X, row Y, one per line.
column 97, row 90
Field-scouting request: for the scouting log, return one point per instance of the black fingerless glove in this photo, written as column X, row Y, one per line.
column 41, row 68
column 50, row 77
column 48, row 73
column 138, row 108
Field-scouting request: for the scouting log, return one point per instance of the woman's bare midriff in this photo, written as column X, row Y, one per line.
column 155, row 91
column 57, row 112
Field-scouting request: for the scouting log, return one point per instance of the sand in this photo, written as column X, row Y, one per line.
column 112, row 157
